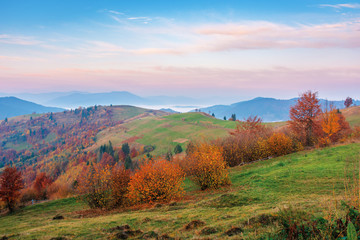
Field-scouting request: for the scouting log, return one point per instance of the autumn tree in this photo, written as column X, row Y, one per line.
column 120, row 178
column 10, row 185
column 279, row 144
column 251, row 124
column 334, row 126
column 206, row 166
column 42, row 182
column 330, row 125
column 303, row 116
column 94, row 186
column 348, row 102
column 156, row 181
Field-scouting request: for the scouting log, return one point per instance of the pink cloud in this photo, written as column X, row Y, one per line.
column 194, row 81
column 18, row 40
column 266, row 35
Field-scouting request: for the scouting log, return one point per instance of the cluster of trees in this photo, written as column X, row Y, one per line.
column 155, row 180
column 110, row 177
column 310, row 125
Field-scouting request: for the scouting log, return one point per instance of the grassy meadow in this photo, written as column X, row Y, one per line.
column 165, row 132
column 312, row 181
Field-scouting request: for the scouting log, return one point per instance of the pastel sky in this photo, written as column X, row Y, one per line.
column 231, row 49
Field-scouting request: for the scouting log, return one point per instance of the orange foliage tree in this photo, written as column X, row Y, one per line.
column 206, row 166
column 10, row 185
column 279, row 144
column 156, row 181
column 303, row 116
column 94, row 186
column 329, row 125
column 120, row 178
column 333, row 126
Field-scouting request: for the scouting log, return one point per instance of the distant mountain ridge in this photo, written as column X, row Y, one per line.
column 12, row 106
column 90, row 99
column 85, row 99
column 269, row 109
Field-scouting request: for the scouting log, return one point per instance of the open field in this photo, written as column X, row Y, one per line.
column 352, row 115
column 165, row 132
column 310, row 180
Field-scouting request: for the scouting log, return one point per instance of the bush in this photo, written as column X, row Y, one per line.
column 94, row 186
column 156, row 181
column 100, row 187
column 59, row 190
column 206, row 166
column 244, row 148
column 120, row 178
column 279, row 144
column 28, row 195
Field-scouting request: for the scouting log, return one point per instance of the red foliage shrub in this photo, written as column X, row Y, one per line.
column 156, row 181
column 107, row 159
column 245, row 144
column 41, row 184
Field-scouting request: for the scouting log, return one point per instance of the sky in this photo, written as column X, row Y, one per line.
column 226, row 49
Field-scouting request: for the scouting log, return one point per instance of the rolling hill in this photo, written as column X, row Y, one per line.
column 300, row 184
column 165, row 132
column 12, row 106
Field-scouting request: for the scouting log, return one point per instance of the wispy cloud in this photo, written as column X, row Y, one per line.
column 116, row 12
column 18, row 40
column 267, row 35
column 341, row 6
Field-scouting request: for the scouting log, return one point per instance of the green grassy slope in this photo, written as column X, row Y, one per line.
column 312, row 181
column 167, row 131
column 352, row 115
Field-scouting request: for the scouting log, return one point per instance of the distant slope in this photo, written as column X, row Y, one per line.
column 76, row 99
column 269, row 109
column 12, row 106
column 165, row 132
column 352, row 115
column 168, row 110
